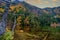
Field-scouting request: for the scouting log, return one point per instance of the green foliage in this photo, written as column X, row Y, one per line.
column 7, row 36
column 36, row 23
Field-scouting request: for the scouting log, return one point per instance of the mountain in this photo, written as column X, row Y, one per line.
column 54, row 10
column 32, row 8
column 36, row 10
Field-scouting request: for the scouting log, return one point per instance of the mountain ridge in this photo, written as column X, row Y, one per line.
column 34, row 9
column 37, row 10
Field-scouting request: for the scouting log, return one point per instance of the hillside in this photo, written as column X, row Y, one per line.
column 36, row 10
column 28, row 22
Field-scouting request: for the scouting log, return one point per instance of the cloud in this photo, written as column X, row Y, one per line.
column 34, row 1
column 54, row 4
column 54, row 0
column 46, row 2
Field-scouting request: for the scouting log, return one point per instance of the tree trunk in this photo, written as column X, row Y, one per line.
column 4, row 18
column 14, row 24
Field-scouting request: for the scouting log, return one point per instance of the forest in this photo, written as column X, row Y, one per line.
column 17, row 23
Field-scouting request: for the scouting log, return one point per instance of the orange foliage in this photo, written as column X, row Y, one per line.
column 18, row 26
column 7, row 30
column 26, row 28
column 21, row 31
column 2, row 10
column 26, row 20
column 18, row 18
column 12, row 8
column 16, row 8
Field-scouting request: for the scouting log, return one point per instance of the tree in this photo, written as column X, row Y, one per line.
column 4, row 17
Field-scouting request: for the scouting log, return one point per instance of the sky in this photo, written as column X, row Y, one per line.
column 43, row 3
